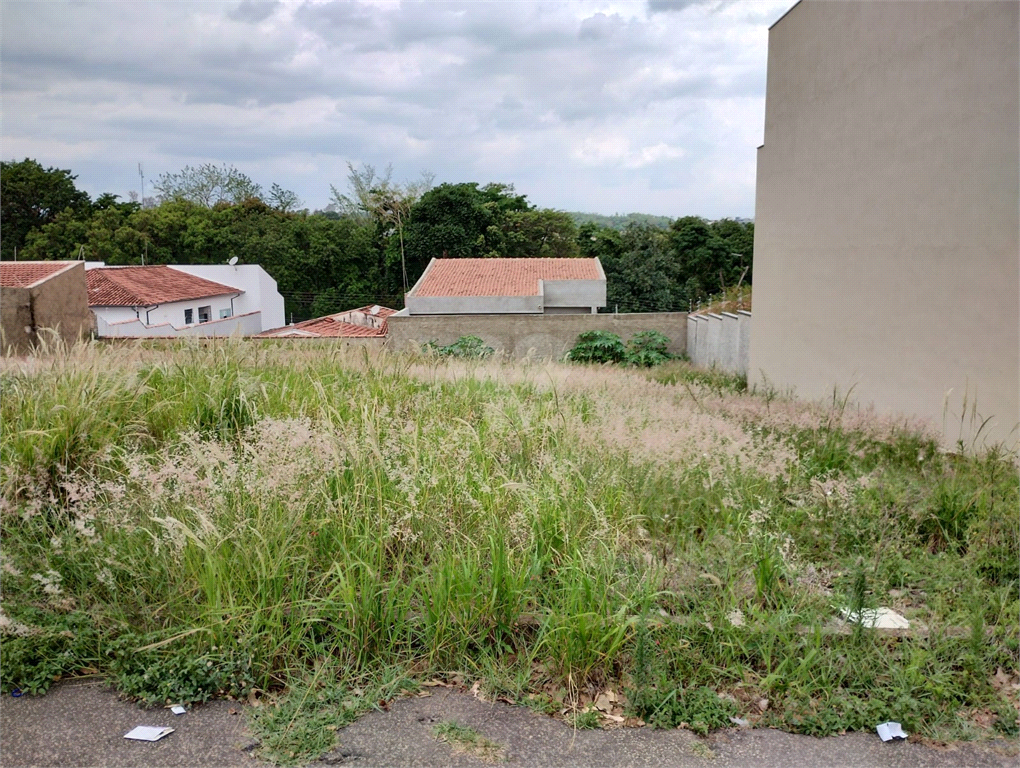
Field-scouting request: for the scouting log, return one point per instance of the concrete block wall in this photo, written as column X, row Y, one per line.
column 535, row 336
column 58, row 304
column 17, row 331
column 720, row 341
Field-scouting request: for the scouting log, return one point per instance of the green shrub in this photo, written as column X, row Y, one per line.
column 598, row 347
column 177, row 673
column 59, row 644
column 647, row 348
column 464, row 347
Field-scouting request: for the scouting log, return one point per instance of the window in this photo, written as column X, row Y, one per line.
column 189, row 316
column 204, row 314
column 226, row 313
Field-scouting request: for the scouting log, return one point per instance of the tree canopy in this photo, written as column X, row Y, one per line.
column 358, row 251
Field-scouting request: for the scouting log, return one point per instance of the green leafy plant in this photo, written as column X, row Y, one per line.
column 464, row 347
column 598, row 347
column 58, row 645
column 647, row 348
column 699, row 708
column 178, row 674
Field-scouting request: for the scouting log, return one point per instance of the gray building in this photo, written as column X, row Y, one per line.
column 886, row 222
column 508, row 286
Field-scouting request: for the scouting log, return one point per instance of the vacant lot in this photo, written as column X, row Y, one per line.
column 319, row 530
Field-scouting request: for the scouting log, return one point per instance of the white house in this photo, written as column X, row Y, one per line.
column 178, row 300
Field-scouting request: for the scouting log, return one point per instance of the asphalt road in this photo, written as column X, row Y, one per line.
column 83, row 724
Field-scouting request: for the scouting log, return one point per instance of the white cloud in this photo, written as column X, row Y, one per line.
column 605, row 106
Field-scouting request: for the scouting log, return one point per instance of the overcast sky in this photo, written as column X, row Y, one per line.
column 647, row 106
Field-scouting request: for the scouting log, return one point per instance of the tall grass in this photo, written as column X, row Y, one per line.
column 227, row 517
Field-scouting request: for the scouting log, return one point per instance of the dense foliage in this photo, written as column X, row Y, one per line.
column 470, row 347
column 369, row 245
column 643, row 350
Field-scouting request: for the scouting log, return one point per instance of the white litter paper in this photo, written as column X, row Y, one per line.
column 880, row 618
column 148, row 733
column 889, row 731
column 178, row 710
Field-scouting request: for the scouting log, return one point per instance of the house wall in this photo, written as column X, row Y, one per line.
column 243, row 325
column 58, row 303
column 62, row 303
column 574, row 293
column 472, row 305
column 260, row 289
column 171, row 313
column 538, row 336
column 886, row 222
column 16, row 326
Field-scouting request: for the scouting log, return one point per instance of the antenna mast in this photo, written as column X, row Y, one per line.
column 141, row 175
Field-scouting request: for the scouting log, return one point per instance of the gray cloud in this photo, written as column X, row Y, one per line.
column 607, row 107
column 254, row 11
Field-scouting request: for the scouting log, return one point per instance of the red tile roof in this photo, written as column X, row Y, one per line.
column 331, row 327
column 381, row 312
column 21, row 274
column 326, row 327
column 500, row 277
column 142, row 286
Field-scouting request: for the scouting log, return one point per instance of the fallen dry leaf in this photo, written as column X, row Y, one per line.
column 763, row 704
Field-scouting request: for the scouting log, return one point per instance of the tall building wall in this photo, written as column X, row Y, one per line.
column 886, row 250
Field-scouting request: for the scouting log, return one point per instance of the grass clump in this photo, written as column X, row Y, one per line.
column 302, row 725
column 465, row 739
column 202, row 520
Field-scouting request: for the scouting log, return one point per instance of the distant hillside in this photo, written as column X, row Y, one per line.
column 621, row 221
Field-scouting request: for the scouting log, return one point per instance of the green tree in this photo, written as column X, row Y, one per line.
column 739, row 239
column 207, row 185
column 706, row 265
column 388, row 202
column 539, row 233
column 468, row 221
column 31, row 197
column 283, row 199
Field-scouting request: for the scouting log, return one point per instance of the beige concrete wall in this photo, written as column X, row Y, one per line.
column 61, row 303
column 540, row 336
column 886, row 223
column 16, row 331
column 58, row 304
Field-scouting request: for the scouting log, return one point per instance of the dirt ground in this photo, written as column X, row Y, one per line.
column 82, row 723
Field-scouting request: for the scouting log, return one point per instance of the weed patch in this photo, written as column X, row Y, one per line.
column 292, row 524
column 462, row 738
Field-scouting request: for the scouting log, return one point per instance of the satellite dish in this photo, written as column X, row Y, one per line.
column 233, row 261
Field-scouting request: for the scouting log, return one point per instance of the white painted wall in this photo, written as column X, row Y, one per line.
column 165, row 314
column 260, row 290
column 243, row 325
column 257, row 295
